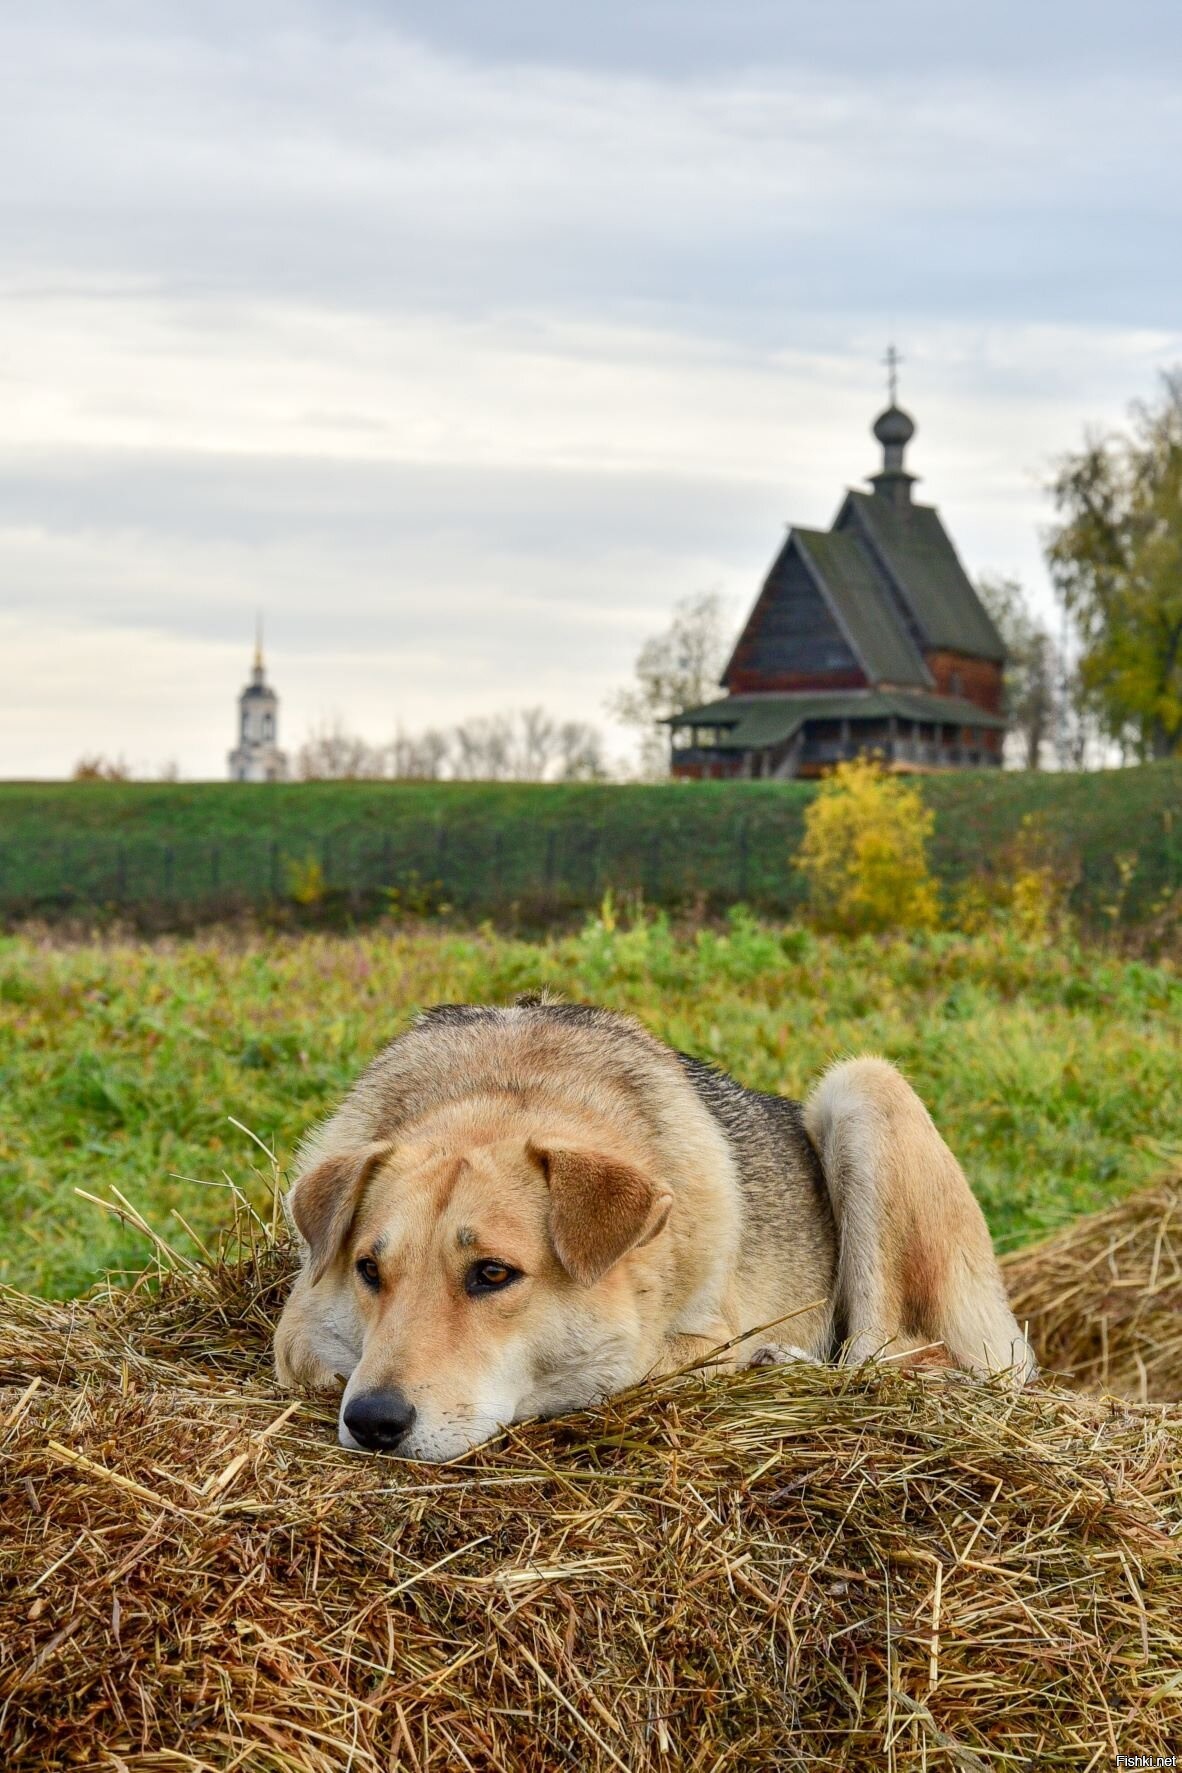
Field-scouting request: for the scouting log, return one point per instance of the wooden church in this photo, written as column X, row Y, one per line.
column 866, row 637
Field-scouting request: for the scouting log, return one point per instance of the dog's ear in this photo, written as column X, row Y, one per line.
column 600, row 1209
column 325, row 1198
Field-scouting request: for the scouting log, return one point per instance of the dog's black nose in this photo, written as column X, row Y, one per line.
column 379, row 1420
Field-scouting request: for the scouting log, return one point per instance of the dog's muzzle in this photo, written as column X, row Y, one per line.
column 379, row 1421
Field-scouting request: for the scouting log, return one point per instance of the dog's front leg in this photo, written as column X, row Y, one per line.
column 781, row 1354
column 709, row 1355
column 708, row 1352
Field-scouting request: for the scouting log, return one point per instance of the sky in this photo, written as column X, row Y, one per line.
column 462, row 340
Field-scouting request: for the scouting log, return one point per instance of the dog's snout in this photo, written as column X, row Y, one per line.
column 379, row 1420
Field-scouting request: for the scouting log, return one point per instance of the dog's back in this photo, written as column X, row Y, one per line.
column 788, row 1245
column 851, row 1204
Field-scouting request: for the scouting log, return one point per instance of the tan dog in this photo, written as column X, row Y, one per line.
column 520, row 1211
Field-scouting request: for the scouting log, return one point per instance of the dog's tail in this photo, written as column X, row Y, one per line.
column 915, row 1262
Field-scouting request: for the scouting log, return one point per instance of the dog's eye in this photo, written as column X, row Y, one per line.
column 490, row 1277
column 368, row 1269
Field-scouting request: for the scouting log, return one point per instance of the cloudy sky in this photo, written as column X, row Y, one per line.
column 462, row 339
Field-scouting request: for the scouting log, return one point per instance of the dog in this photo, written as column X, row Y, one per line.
column 522, row 1210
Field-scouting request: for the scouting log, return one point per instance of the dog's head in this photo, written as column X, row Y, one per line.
column 482, row 1285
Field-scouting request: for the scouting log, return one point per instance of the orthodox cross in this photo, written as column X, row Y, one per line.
column 892, row 361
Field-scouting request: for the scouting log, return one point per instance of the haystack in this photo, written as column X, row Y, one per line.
column 781, row 1569
column 1103, row 1298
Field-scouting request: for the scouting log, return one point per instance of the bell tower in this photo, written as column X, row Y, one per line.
column 256, row 757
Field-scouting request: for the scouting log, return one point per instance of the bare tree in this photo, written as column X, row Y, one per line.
column 537, row 743
column 420, row 756
column 529, row 745
column 484, row 748
column 674, row 670
column 580, row 753
column 1036, row 676
column 333, row 754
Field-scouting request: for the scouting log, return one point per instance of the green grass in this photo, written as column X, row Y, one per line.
column 1116, row 835
column 1055, row 1072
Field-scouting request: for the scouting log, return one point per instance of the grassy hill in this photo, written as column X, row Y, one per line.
column 486, row 848
column 1053, row 1069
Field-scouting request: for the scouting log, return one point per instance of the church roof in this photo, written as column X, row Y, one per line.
column 863, row 607
column 868, row 601
column 913, row 547
column 751, row 722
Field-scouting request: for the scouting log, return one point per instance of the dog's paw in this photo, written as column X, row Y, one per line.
column 782, row 1354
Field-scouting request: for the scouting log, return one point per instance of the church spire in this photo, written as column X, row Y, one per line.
column 256, row 757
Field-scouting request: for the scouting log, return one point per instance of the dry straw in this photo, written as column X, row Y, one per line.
column 780, row 1569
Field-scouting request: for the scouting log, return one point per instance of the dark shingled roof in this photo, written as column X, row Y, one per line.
column 913, row 546
column 863, row 607
column 751, row 722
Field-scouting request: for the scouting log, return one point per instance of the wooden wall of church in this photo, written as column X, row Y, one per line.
column 791, row 641
column 978, row 680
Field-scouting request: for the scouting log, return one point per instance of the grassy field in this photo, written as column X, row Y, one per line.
column 1116, row 837
column 1056, row 1073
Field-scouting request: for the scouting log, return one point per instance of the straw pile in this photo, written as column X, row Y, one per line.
column 777, row 1570
column 1104, row 1298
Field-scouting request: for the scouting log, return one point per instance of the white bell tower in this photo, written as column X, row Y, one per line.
column 256, row 757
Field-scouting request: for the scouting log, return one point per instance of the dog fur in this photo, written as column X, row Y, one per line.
column 653, row 1210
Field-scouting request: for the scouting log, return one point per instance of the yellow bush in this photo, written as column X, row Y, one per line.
column 305, row 880
column 1026, row 884
column 864, row 853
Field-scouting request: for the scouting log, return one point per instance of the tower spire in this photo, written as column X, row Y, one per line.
column 258, row 642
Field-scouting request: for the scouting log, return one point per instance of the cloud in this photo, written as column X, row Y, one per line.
column 464, row 355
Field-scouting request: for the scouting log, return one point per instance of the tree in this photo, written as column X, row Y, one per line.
column 102, row 769
column 419, row 757
column 674, row 670
column 538, row 739
column 1033, row 668
column 484, row 748
column 1115, row 557
column 333, row 754
column 528, row 745
column 580, row 753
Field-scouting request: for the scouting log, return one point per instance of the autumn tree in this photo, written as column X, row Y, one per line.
column 101, row 769
column 1115, row 555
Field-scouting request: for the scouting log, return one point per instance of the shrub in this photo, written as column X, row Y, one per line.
column 306, row 883
column 864, row 854
column 1027, row 884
